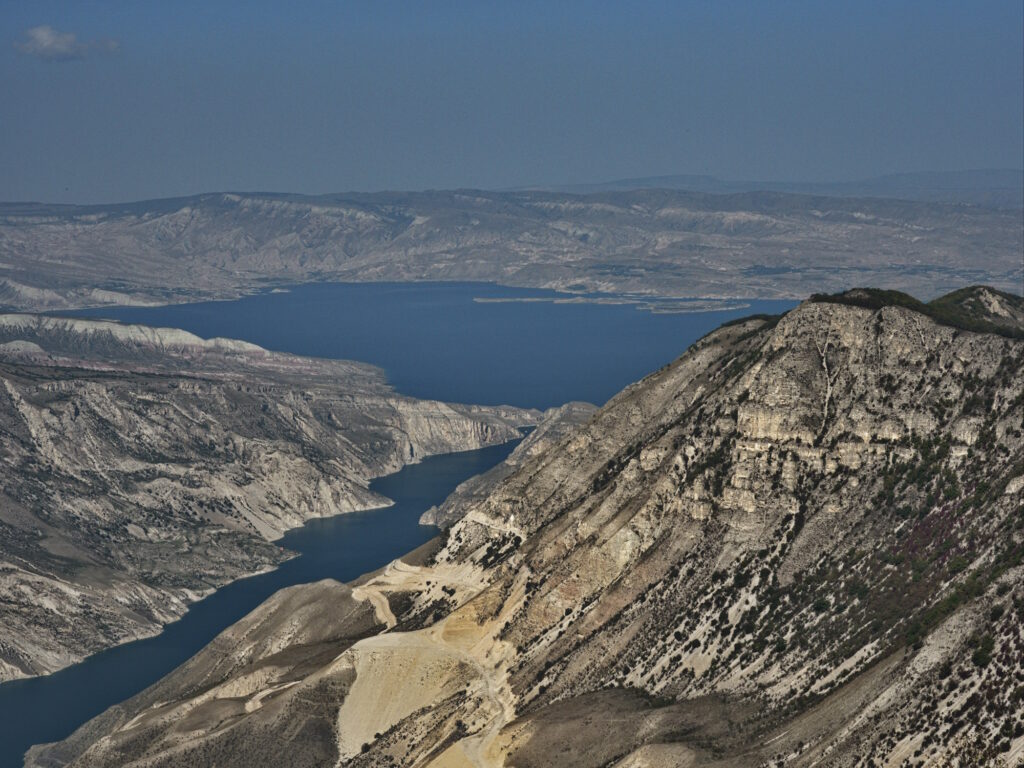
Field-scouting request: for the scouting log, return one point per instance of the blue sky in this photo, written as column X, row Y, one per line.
column 104, row 101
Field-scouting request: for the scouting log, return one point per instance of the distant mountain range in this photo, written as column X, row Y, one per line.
column 652, row 242
column 990, row 187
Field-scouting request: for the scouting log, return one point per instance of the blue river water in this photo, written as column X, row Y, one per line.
column 434, row 340
column 49, row 708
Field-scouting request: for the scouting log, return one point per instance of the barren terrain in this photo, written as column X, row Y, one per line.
column 800, row 544
column 653, row 243
column 141, row 468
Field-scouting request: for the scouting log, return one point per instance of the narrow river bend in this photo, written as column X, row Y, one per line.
column 49, row 708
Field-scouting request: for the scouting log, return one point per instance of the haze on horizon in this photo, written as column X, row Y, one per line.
column 120, row 101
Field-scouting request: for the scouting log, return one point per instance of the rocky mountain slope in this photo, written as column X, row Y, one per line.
column 800, row 544
column 651, row 242
column 555, row 424
column 140, row 468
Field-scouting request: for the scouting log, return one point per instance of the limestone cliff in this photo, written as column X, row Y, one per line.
column 555, row 424
column 140, row 468
column 800, row 544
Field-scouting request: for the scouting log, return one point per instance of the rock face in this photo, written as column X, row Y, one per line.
column 654, row 242
column 554, row 425
column 140, row 468
column 800, row 544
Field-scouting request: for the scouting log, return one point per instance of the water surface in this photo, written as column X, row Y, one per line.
column 437, row 340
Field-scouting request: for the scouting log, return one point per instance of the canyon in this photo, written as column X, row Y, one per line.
column 800, row 543
column 141, row 468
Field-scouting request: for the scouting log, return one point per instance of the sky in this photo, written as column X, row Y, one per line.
column 117, row 101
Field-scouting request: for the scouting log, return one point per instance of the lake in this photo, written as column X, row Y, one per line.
column 436, row 340
column 440, row 341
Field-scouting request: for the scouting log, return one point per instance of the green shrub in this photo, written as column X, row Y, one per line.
column 858, row 589
column 983, row 652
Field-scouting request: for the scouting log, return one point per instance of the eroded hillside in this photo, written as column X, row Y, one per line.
column 799, row 544
column 652, row 242
column 140, row 468
column 554, row 425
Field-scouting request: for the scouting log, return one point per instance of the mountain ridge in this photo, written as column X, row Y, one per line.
column 654, row 243
column 798, row 544
column 996, row 187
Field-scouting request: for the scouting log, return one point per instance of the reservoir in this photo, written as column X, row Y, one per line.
column 459, row 342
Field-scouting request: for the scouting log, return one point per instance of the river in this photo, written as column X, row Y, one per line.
column 49, row 708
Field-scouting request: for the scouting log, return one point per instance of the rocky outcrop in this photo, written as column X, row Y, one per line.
column 555, row 424
column 800, row 544
column 653, row 242
column 141, row 468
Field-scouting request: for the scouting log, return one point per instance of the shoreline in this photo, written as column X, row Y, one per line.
column 340, row 547
column 289, row 555
column 647, row 302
